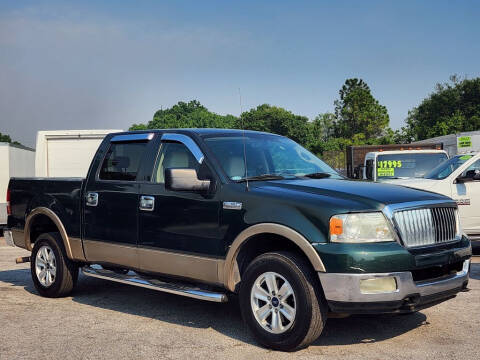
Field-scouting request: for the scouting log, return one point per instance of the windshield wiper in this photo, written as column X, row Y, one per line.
column 318, row 175
column 262, row 177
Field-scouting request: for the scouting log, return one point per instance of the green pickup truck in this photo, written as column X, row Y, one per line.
column 212, row 213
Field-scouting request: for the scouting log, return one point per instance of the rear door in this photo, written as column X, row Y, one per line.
column 112, row 200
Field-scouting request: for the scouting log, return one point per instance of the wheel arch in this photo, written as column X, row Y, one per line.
column 232, row 270
column 39, row 215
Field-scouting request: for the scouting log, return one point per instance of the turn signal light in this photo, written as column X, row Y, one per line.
column 336, row 226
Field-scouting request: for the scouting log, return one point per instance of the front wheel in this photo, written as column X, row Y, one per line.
column 53, row 274
column 281, row 301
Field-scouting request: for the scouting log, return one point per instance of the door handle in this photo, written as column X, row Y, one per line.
column 147, row 203
column 92, row 199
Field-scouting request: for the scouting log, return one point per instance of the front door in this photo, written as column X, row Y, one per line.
column 111, row 204
column 180, row 235
column 467, row 195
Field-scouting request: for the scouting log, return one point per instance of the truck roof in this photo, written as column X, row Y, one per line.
column 394, row 152
column 203, row 131
column 19, row 146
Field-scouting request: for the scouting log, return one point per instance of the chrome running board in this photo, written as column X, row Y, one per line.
column 132, row 278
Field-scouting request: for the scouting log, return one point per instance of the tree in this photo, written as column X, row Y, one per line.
column 8, row 139
column 358, row 112
column 5, row 138
column 187, row 115
column 453, row 107
column 276, row 120
column 323, row 126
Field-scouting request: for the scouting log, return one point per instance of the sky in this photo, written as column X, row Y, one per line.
column 109, row 64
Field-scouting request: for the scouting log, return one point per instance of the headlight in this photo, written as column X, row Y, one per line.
column 360, row 228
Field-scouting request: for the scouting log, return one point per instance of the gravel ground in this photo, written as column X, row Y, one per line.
column 105, row 320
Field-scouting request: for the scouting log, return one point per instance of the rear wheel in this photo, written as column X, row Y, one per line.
column 53, row 274
column 281, row 301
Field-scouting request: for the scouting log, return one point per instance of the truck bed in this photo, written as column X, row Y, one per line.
column 60, row 195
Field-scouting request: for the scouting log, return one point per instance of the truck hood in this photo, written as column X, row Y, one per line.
column 373, row 194
column 417, row 183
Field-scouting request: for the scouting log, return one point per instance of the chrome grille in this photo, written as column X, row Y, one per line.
column 421, row 227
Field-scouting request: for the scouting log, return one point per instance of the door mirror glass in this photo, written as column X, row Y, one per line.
column 185, row 180
column 469, row 175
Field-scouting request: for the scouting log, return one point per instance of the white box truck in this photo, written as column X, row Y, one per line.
column 455, row 144
column 15, row 161
column 67, row 153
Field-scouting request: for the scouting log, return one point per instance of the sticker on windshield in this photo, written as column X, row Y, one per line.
column 465, row 157
column 385, row 164
column 385, row 172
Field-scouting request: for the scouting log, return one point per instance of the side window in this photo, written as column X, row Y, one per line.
column 473, row 169
column 173, row 155
column 122, row 161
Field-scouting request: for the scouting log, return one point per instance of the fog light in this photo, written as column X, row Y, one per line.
column 379, row 285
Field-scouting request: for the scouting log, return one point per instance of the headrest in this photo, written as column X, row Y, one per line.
column 236, row 167
column 121, row 162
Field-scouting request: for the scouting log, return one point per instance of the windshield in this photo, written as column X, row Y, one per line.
column 266, row 154
column 411, row 165
column 447, row 167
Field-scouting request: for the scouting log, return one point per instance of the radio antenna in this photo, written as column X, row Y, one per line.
column 244, row 140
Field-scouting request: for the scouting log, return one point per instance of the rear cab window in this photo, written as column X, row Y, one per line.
column 122, row 161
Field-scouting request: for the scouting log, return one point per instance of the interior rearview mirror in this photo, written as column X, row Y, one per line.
column 184, row 180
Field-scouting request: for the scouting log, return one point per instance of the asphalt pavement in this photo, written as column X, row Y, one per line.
column 106, row 320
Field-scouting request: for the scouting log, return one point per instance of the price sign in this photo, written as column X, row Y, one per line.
column 464, row 141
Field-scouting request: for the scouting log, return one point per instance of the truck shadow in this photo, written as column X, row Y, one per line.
column 224, row 318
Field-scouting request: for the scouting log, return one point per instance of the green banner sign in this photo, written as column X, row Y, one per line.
column 464, row 141
column 385, row 172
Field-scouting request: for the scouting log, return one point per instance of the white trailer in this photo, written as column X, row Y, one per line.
column 67, row 153
column 455, row 144
column 15, row 161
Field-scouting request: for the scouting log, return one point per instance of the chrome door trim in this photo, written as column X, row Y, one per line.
column 188, row 142
column 232, row 205
column 147, row 203
column 92, row 199
column 132, row 137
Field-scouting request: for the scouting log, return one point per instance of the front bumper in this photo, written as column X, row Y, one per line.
column 343, row 291
column 8, row 237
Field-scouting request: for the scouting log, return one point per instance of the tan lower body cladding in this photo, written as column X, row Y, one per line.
column 205, row 269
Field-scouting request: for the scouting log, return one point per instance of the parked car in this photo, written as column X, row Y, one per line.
column 458, row 178
column 356, row 156
column 208, row 213
column 387, row 165
column 15, row 160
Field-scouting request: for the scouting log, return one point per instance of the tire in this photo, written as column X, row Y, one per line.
column 63, row 272
column 276, row 330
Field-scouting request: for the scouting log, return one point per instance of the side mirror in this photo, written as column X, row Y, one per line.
column 184, row 180
column 470, row 175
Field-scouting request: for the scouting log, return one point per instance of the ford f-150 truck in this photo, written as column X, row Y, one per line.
column 211, row 213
